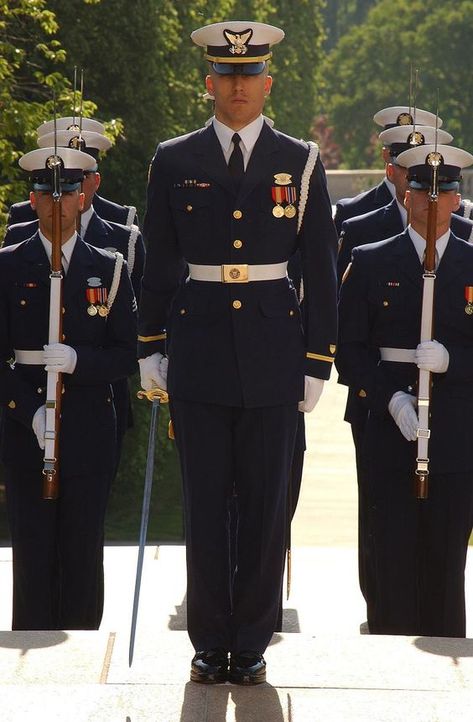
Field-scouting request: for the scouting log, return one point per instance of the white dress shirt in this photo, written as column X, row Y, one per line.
column 67, row 249
column 249, row 135
column 84, row 221
column 420, row 243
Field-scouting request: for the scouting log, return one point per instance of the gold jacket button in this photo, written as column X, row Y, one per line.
column 237, row 304
column 182, row 311
column 39, row 390
column 237, row 243
column 237, row 215
column 188, row 208
column 22, row 302
column 11, row 404
column 362, row 394
column 291, row 312
column 385, row 303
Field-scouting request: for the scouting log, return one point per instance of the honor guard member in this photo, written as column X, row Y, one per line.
column 100, row 233
column 419, row 545
column 369, row 228
column 233, row 201
column 106, row 209
column 58, row 544
column 384, row 192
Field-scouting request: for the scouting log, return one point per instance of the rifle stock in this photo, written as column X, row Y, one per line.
column 54, row 379
column 421, row 479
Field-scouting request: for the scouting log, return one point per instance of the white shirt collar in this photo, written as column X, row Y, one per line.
column 85, row 220
column 67, row 248
column 403, row 213
column 391, row 187
column 249, row 135
column 420, row 242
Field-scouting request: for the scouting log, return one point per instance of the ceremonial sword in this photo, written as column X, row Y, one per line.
column 157, row 397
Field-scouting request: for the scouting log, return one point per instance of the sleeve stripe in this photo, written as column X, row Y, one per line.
column 319, row 357
column 146, row 339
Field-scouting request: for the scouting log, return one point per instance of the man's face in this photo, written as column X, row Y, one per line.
column 418, row 203
column 90, row 185
column 239, row 99
column 72, row 204
column 398, row 176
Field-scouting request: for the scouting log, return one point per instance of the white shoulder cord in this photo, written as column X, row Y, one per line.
column 467, row 206
column 117, row 272
column 134, row 230
column 304, row 194
column 131, row 215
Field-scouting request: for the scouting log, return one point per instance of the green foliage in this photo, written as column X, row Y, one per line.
column 124, row 508
column 370, row 69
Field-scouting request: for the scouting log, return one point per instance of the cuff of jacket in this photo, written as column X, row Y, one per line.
column 318, row 365
column 147, row 345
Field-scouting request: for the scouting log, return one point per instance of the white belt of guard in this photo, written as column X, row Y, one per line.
column 238, row 272
column 29, row 358
column 399, row 355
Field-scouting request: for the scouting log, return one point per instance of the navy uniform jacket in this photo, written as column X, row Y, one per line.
column 380, row 224
column 255, row 355
column 380, row 305
column 101, row 234
column 369, row 200
column 108, row 210
column 105, row 349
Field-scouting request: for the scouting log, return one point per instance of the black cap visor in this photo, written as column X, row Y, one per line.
column 239, row 68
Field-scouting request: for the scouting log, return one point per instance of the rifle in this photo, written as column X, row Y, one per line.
column 54, row 379
column 426, row 332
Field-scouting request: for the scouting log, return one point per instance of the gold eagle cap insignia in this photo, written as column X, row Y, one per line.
column 238, row 41
column 332, row 348
column 283, row 179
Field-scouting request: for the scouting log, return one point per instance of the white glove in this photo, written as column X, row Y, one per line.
column 154, row 371
column 401, row 408
column 39, row 425
column 312, row 392
column 432, row 356
column 59, row 357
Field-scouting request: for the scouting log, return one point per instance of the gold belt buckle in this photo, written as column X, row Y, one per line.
column 235, row 273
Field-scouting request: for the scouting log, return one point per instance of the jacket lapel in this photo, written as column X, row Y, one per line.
column 266, row 144
column 405, row 255
column 451, row 264
column 209, row 154
column 97, row 232
column 36, row 257
column 81, row 268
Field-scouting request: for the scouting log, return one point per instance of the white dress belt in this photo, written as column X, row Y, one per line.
column 401, row 355
column 30, row 358
column 238, row 272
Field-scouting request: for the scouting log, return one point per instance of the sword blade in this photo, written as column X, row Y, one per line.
column 155, row 408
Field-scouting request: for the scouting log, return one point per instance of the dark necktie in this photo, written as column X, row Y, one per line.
column 235, row 164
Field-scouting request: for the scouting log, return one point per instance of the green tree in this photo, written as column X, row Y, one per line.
column 370, row 69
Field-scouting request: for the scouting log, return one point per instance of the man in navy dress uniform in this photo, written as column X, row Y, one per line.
column 419, row 545
column 100, row 233
column 233, row 201
column 58, row 544
column 384, row 192
column 106, row 209
column 369, row 228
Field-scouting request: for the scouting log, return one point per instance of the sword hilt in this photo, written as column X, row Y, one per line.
column 154, row 394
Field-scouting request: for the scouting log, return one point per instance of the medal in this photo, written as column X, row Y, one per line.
column 92, row 310
column 469, row 298
column 103, row 311
column 278, row 211
column 290, row 211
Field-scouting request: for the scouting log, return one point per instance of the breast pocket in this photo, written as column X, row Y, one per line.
column 192, row 212
column 29, row 315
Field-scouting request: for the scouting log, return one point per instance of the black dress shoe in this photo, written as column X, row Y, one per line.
column 247, row 668
column 210, row 667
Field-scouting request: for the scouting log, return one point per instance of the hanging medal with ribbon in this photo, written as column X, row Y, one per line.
column 92, row 298
column 469, row 300
column 291, row 195
column 278, row 196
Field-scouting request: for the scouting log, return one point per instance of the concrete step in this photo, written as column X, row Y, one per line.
column 320, row 669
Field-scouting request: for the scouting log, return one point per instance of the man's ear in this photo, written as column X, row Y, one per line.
column 98, row 180
column 209, row 86
column 81, row 201
column 457, row 201
column 390, row 171
column 32, row 200
column 268, row 82
column 407, row 199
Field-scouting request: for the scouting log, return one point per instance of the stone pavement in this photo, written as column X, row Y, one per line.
column 320, row 669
